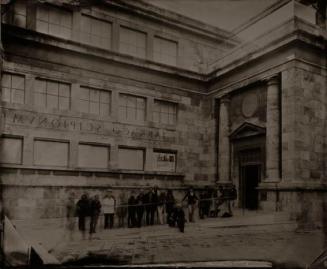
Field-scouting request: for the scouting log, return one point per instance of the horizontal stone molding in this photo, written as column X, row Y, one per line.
column 296, row 187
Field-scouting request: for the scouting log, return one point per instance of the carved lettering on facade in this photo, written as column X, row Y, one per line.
column 38, row 120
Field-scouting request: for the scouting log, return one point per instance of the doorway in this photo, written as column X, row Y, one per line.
column 250, row 178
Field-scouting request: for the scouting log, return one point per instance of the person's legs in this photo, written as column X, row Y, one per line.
column 111, row 221
column 106, row 219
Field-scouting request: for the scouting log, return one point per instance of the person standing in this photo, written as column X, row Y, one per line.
column 70, row 215
column 132, row 211
column 140, row 200
column 161, row 208
column 191, row 202
column 150, row 206
column 109, row 205
column 122, row 209
column 179, row 218
column 83, row 211
column 95, row 209
column 170, row 203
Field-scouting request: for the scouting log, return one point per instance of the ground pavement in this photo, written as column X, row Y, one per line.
column 243, row 237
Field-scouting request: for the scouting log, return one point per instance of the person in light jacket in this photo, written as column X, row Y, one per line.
column 109, row 206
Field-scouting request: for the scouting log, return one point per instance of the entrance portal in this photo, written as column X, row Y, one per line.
column 250, row 178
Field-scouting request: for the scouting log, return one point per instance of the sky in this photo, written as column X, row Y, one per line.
column 225, row 14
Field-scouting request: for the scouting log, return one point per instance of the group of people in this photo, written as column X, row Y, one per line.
column 148, row 207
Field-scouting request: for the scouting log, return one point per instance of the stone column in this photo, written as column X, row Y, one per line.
column 224, row 143
column 273, row 130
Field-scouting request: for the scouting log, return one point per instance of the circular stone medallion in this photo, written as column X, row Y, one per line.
column 249, row 105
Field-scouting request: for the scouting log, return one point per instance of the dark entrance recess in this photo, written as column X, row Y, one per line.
column 250, row 179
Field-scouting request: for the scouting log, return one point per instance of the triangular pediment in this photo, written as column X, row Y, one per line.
column 247, row 130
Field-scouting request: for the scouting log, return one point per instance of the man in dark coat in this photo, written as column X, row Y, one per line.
column 82, row 210
column 95, row 209
column 140, row 200
column 191, row 202
column 170, row 203
column 132, row 211
column 151, row 202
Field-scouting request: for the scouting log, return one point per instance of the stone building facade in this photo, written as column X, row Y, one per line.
column 122, row 95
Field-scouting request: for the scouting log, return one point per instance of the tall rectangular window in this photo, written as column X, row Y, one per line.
column 131, row 108
column 131, row 158
column 164, row 112
column 132, row 42
column 54, row 21
column 94, row 101
column 52, row 94
column 51, row 153
column 165, row 51
column 13, row 88
column 96, row 32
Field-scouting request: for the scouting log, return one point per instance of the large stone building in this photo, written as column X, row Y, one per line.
column 121, row 95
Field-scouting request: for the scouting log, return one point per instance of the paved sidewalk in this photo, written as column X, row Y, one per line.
column 243, row 237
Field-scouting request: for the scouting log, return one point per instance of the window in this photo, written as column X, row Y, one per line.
column 96, row 32
column 51, row 153
column 164, row 161
column 94, row 101
column 93, row 156
column 165, row 51
column 132, row 42
column 13, row 88
column 54, row 21
column 131, row 158
column 164, row 112
column 11, row 150
column 52, row 94
column 131, row 108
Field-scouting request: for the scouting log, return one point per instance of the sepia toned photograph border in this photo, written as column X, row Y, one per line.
column 163, row 134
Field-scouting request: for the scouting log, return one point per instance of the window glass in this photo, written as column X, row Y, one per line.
column 94, row 101
column 132, row 108
column 52, row 94
column 96, row 32
column 54, row 21
column 13, row 88
column 11, row 150
column 165, row 51
column 93, row 156
column 130, row 158
column 51, row 153
column 164, row 112
column 132, row 42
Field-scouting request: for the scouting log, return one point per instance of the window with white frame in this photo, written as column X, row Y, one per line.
column 96, row 32
column 54, row 21
column 132, row 42
column 164, row 161
column 165, row 51
column 131, row 158
column 13, row 88
column 164, row 112
column 94, row 101
column 52, row 94
column 131, row 108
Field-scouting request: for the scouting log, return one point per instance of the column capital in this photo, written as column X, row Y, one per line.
column 273, row 80
column 224, row 99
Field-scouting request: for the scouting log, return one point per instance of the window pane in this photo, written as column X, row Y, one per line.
column 40, row 99
column 51, row 153
column 84, row 106
column 104, row 97
column 84, row 93
column 6, row 95
column 6, row 80
column 132, row 159
column 64, row 103
column 52, row 88
column 52, row 101
column 17, row 96
column 104, row 109
column 11, row 150
column 40, row 86
column 94, row 108
column 94, row 95
column 132, row 42
column 18, row 82
column 90, row 156
column 64, row 90
column 131, row 113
